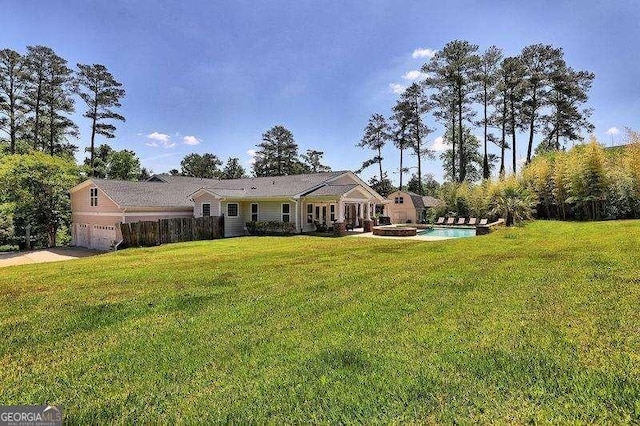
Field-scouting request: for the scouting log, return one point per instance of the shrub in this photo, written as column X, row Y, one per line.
column 271, row 227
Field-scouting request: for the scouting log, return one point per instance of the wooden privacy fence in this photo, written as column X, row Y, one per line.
column 163, row 231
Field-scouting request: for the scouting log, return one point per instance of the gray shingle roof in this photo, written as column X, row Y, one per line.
column 274, row 186
column 430, row 201
column 175, row 191
column 146, row 194
column 336, row 190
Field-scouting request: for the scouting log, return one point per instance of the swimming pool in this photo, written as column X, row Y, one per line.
column 449, row 232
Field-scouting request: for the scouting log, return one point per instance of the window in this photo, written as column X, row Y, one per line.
column 286, row 212
column 254, row 212
column 232, row 209
column 401, row 200
column 332, row 210
column 206, row 209
column 94, row 196
column 309, row 213
column 396, row 200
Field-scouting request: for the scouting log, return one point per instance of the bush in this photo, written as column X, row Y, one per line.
column 271, row 227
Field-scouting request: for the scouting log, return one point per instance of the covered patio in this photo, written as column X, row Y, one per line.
column 339, row 208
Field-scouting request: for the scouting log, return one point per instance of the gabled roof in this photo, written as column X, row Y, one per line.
column 263, row 187
column 175, row 191
column 145, row 194
column 337, row 190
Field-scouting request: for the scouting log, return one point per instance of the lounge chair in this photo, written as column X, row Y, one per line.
column 461, row 221
column 440, row 221
column 450, row 221
column 484, row 221
column 472, row 221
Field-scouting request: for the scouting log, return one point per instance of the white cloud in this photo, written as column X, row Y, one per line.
column 423, row 53
column 397, row 88
column 156, row 139
column 438, row 144
column 191, row 140
column 252, row 154
column 613, row 131
column 414, row 75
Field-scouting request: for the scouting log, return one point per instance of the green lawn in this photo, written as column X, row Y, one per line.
column 540, row 323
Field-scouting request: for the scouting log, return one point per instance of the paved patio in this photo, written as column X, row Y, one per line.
column 45, row 255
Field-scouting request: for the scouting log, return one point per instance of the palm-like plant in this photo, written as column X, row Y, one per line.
column 513, row 203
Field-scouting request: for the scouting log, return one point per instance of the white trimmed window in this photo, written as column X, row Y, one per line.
column 94, row 197
column 254, row 212
column 206, row 209
column 332, row 210
column 286, row 212
column 309, row 213
column 232, row 209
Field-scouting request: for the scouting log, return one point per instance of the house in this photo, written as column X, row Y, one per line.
column 409, row 207
column 98, row 206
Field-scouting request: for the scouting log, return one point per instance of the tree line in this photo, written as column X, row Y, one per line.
column 37, row 98
column 277, row 155
column 586, row 182
column 535, row 93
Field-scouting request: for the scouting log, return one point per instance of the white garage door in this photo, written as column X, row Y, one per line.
column 102, row 237
column 82, row 235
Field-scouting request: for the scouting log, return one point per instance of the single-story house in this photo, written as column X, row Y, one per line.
column 409, row 207
column 98, row 206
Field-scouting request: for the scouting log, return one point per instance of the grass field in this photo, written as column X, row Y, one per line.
column 540, row 323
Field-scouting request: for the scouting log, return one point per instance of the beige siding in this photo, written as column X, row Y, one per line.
column 94, row 226
column 81, row 202
column 206, row 198
column 400, row 213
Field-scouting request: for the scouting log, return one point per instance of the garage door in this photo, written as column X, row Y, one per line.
column 102, row 237
column 82, row 235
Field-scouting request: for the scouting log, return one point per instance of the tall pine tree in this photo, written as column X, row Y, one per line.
column 101, row 93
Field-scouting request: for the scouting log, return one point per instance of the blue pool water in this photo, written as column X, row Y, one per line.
column 449, row 232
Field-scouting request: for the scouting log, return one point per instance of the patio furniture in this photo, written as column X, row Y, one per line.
column 461, row 221
column 440, row 221
column 450, row 221
column 484, row 221
column 472, row 221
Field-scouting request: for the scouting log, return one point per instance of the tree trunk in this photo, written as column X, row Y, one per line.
column 453, row 145
column 36, row 127
column 504, row 134
column 532, row 121
column 12, row 115
column 463, row 168
column 401, row 170
column 380, row 162
column 51, row 132
column 418, row 148
column 485, row 162
column 513, row 134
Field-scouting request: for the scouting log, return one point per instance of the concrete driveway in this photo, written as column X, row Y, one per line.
column 45, row 255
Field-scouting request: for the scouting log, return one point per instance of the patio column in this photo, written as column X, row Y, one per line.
column 367, row 224
column 340, row 228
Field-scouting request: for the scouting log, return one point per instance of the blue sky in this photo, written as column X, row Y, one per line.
column 212, row 76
